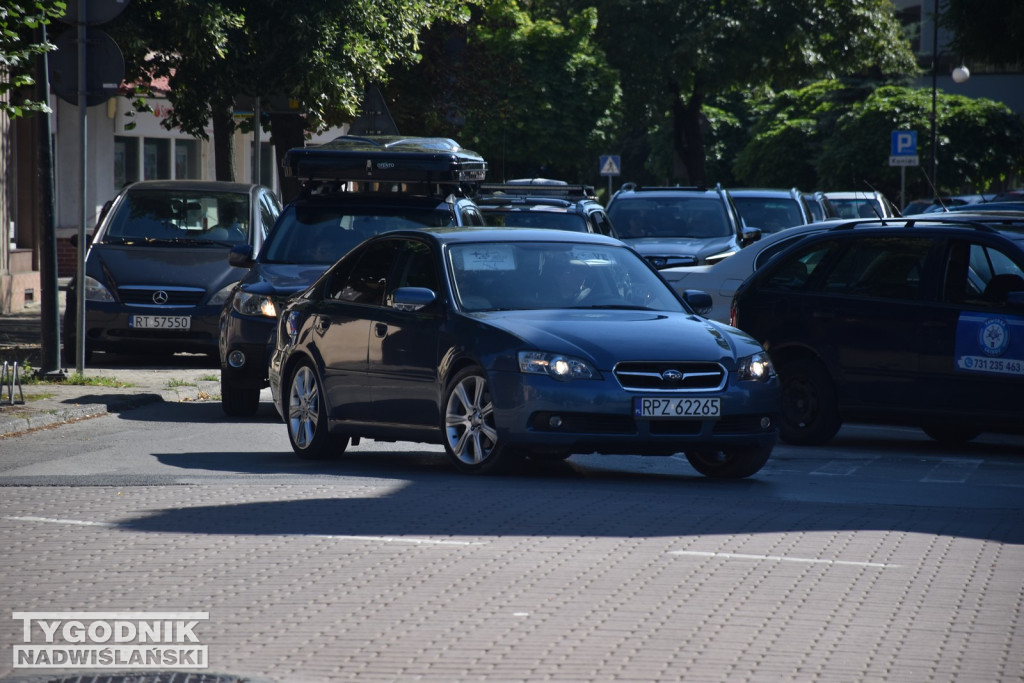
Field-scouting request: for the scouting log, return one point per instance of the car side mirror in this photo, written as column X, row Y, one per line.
column 413, row 298
column 751, row 235
column 699, row 300
column 240, row 256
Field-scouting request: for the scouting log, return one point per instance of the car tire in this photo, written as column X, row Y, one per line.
column 469, row 434
column 238, row 400
column 306, row 416
column 730, row 463
column 951, row 434
column 810, row 411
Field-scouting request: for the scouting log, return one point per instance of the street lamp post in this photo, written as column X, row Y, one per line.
column 935, row 74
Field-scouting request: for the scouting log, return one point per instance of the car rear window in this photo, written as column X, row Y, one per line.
column 323, row 234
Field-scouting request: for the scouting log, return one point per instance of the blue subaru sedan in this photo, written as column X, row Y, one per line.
column 502, row 344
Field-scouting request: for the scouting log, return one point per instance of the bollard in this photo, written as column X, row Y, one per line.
column 9, row 378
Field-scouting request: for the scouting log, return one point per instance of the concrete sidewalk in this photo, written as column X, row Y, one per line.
column 37, row 405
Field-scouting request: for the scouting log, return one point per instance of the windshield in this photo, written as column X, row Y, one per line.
column 323, row 234
column 769, row 214
column 172, row 215
column 536, row 219
column 699, row 217
column 856, row 208
column 541, row 275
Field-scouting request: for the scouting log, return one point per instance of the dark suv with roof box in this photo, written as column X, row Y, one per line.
column 353, row 188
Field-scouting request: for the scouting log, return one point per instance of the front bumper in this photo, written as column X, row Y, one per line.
column 108, row 328
column 596, row 416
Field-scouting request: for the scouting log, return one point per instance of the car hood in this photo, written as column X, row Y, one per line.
column 175, row 266
column 680, row 246
column 282, row 279
column 610, row 336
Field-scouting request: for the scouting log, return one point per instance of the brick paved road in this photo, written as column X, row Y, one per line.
column 433, row 576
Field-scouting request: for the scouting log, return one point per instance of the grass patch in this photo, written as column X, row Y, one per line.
column 171, row 384
column 83, row 381
column 210, row 378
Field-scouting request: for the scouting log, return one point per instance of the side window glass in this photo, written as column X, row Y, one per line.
column 797, row 269
column 366, row 281
column 268, row 214
column 986, row 279
column 417, row 269
column 887, row 268
column 471, row 216
column 768, row 252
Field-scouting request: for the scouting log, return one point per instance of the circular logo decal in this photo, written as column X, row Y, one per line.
column 994, row 337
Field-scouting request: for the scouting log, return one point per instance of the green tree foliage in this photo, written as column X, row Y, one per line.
column 315, row 55
column 534, row 95
column 980, row 143
column 988, row 30
column 675, row 57
column 20, row 44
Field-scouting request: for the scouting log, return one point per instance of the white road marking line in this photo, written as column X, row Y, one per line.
column 779, row 558
column 342, row 537
column 841, row 468
column 950, row 471
column 52, row 520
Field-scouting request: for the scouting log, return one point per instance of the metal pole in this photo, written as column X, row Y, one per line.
column 935, row 71
column 82, row 129
column 50, row 310
column 256, row 140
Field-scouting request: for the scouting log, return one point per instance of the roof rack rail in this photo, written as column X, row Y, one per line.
column 523, row 189
column 386, row 158
column 660, row 188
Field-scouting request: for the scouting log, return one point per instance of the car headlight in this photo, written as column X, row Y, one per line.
column 721, row 256
column 95, row 291
column 220, row 297
column 556, row 365
column 247, row 303
column 757, row 368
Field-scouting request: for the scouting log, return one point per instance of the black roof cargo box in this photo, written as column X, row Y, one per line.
column 386, row 158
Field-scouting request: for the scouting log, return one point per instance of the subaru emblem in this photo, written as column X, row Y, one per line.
column 672, row 376
column 160, row 297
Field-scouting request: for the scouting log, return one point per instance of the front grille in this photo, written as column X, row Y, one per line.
column 670, row 376
column 143, row 295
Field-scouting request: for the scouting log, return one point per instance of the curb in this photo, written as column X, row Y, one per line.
column 71, row 404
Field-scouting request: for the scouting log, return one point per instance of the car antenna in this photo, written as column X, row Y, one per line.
column 874, row 208
column 935, row 193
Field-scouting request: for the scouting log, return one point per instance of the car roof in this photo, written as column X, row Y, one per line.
column 495, row 234
column 762, row 192
column 199, row 185
column 374, row 199
column 668, row 190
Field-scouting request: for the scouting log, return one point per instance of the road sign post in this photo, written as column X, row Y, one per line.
column 903, row 153
column 610, row 166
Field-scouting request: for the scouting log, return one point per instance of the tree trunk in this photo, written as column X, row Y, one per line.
column 224, row 141
column 287, row 131
column 688, row 137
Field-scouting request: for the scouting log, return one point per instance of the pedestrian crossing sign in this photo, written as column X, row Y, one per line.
column 610, row 165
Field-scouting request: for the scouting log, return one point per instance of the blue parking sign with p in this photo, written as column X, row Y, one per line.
column 904, row 143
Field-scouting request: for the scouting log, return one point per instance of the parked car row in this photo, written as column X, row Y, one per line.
column 705, row 321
